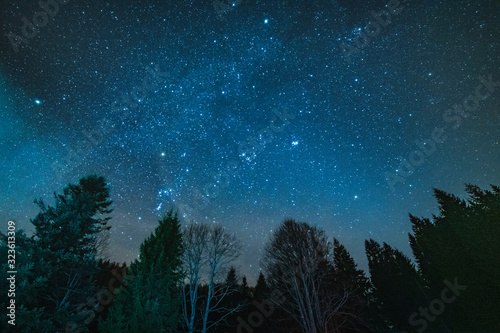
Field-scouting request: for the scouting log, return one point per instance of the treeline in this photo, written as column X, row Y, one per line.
column 185, row 279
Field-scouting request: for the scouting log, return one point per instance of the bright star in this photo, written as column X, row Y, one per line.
column 37, row 101
column 294, row 143
column 265, row 21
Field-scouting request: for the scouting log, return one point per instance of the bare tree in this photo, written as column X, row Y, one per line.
column 209, row 252
column 298, row 266
column 195, row 240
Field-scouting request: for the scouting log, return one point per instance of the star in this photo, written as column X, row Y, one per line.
column 231, row 107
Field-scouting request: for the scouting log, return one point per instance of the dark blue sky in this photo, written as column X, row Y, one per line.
column 251, row 113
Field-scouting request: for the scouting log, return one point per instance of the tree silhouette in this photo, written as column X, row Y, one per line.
column 261, row 288
column 299, row 266
column 57, row 265
column 210, row 252
column 350, row 284
column 79, row 215
column 461, row 243
column 151, row 302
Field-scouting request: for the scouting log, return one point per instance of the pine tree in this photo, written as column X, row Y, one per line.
column 244, row 289
column 346, row 270
column 231, row 279
column 31, row 285
column 151, row 302
column 74, row 223
column 57, row 264
column 261, row 288
column 461, row 243
column 350, row 283
column 398, row 287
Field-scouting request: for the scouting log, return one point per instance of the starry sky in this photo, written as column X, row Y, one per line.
column 249, row 112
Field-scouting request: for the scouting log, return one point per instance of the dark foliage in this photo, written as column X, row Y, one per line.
column 309, row 284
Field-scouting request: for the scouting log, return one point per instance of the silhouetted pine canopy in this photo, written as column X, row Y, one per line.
column 309, row 282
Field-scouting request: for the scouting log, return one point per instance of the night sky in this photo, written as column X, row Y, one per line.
column 251, row 113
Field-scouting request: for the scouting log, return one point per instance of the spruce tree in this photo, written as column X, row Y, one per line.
column 244, row 289
column 261, row 288
column 350, row 283
column 347, row 272
column 231, row 279
column 151, row 302
column 73, row 224
column 398, row 287
column 461, row 244
column 57, row 265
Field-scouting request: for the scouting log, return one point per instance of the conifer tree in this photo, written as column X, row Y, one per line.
column 74, row 223
column 57, row 265
column 261, row 288
column 351, row 284
column 461, row 244
column 244, row 289
column 231, row 279
column 398, row 287
column 347, row 272
column 151, row 302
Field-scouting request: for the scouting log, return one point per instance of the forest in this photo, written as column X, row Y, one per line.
column 185, row 278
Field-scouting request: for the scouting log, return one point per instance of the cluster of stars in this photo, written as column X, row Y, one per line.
column 181, row 146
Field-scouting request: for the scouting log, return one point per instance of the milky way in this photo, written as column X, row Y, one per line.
column 246, row 113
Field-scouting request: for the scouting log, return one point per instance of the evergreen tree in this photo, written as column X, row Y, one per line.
column 231, row 303
column 57, row 264
column 346, row 271
column 151, row 302
column 244, row 289
column 110, row 279
column 261, row 288
column 31, row 286
column 232, row 295
column 398, row 287
column 74, row 223
column 461, row 244
column 231, row 279
column 351, row 284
